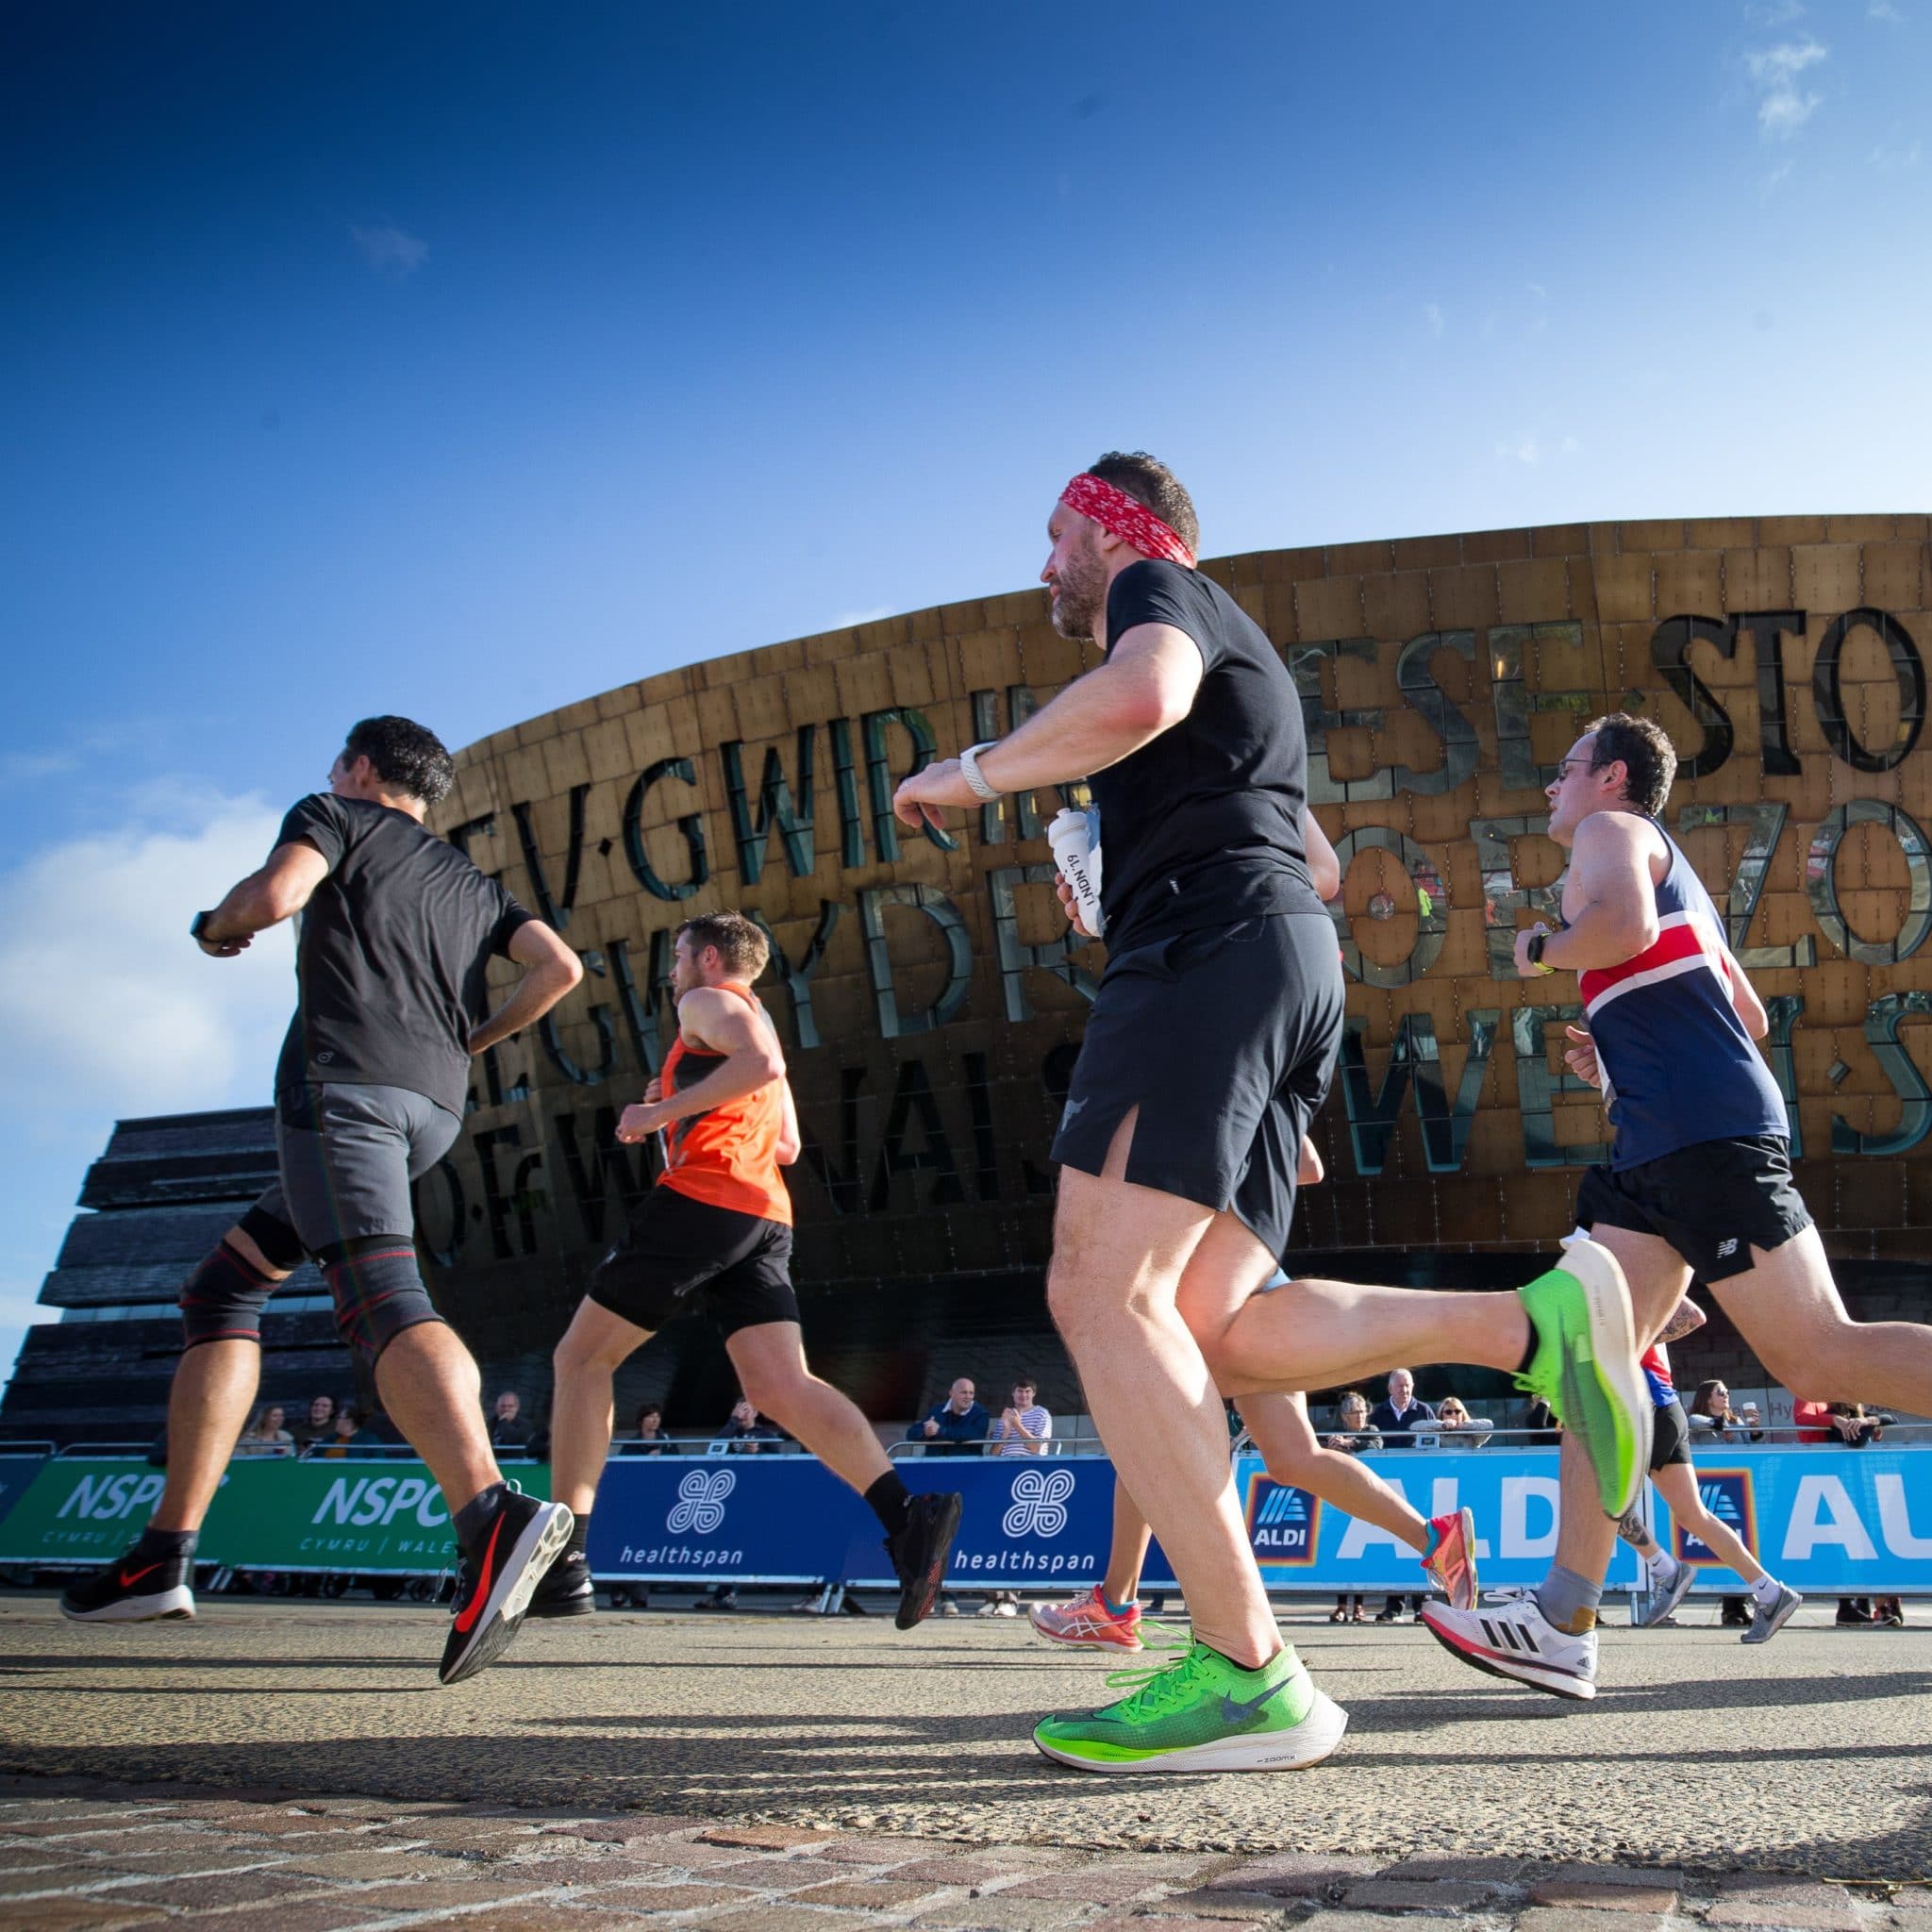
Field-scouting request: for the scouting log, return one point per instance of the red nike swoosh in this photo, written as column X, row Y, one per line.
column 474, row 1608
column 128, row 1582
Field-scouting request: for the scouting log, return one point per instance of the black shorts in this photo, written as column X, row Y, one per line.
column 1670, row 1436
column 1226, row 1040
column 680, row 1254
column 1713, row 1201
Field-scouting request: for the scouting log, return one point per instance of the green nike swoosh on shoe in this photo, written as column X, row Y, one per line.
column 1202, row 1713
column 1584, row 1366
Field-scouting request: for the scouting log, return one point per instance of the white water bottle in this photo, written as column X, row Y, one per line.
column 1074, row 838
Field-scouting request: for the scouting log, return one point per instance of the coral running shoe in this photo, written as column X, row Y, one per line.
column 1450, row 1558
column 1584, row 1366
column 1202, row 1713
column 1089, row 1619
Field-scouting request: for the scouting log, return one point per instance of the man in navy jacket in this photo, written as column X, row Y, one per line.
column 960, row 1423
column 1396, row 1418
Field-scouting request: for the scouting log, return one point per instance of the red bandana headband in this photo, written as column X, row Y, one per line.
column 1114, row 510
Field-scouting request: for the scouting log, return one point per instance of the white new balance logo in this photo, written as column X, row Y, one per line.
column 1727, row 1248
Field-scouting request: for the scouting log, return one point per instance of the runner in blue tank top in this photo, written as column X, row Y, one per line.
column 1699, row 1181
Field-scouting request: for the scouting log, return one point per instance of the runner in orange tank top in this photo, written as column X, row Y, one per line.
column 716, row 1232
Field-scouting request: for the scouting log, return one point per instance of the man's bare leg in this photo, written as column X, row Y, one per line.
column 1293, row 1453
column 593, row 1347
column 208, row 1401
column 1127, row 1556
column 430, row 1386
column 1788, row 1308
column 770, row 1361
column 1120, row 1253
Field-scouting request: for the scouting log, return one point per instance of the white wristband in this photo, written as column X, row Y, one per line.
column 969, row 770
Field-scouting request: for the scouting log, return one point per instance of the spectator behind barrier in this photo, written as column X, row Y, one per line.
column 1357, row 1436
column 348, row 1436
column 649, row 1439
column 746, row 1434
column 1712, row 1417
column 1540, row 1421
column 1024, row 1428
column 509, row 1430
column 265, row 1435
column 1455, row 1428
column 1849, row 1425
column 1402, row 1414
column 319, row 1426
column 957, row 1426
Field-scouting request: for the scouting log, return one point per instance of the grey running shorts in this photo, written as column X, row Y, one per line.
column 348, row 1156
column 1225, row 1038
column 1713, row 1201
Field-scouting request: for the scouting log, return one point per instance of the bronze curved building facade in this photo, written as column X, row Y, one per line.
column 931, row 1006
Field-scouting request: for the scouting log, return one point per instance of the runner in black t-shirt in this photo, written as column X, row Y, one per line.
column 1208, row 1051
column 397, row 932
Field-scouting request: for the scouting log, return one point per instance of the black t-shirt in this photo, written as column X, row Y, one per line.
column 393, row 947
column 1203, row 826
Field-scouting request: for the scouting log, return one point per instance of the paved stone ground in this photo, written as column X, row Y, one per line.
column 296, row 1768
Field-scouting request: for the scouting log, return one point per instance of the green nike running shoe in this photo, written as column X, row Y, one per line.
column 1202, row 1713
column 1584, row 1366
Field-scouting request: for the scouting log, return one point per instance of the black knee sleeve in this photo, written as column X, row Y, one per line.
column 281, row 1246
column 223, row 1299
column 378, row 1291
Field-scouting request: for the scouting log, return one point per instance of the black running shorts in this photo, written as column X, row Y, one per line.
column 1713, row 1201
column 680, row 1254
column 1670, row 1436
column 1226, row 1040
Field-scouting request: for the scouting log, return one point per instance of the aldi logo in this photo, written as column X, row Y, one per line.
column 1726, row 1494
column 1282, row 1521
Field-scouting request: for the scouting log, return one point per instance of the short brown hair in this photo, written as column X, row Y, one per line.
column 1151, row 483
column 1648, row 756
column 740, row 942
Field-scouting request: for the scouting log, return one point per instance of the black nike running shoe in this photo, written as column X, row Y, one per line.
column 920, row 1553
column 497, row 1577
column 566, row 1589
column 136, row 1589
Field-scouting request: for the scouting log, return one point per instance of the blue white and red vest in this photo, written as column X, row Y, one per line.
column 1655, row 1363
column 1679, row 1066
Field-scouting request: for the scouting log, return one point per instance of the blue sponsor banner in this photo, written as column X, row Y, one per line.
column 1302, row 1541
column 1824, row 1520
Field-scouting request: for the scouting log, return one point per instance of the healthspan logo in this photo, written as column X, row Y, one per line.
column 1040, row 1502
column 700, row 1505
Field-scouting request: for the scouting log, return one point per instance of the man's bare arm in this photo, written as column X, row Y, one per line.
column 790, row 1141
column 1749, row 1009
column 1324, row 868
column 550, row 970
column 277, row 891
column 1146, row 686
column 1612, row 891
column 725, row 1024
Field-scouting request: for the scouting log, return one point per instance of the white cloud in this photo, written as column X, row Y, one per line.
column 107, row 1007
column 389, row 250
column 1432, row 315
column 851, row 620
column 1884, row 10
column 1782, row 109
column 1525, row 449
column 1775, row 13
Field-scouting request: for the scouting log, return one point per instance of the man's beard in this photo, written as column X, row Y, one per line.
column 1082, row 586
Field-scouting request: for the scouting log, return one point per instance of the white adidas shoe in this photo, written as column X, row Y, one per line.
column 1509, row 1637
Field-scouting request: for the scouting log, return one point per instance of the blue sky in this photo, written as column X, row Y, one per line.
column 462, row 361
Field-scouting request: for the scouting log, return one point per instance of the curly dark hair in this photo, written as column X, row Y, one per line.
column 406, row 755
column 1153, row 483
column 1648, row 756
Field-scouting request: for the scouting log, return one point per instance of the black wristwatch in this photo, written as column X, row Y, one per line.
column 1534, row 952
column 198, row 928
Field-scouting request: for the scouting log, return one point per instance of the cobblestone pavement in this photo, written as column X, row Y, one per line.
column 295, row 1766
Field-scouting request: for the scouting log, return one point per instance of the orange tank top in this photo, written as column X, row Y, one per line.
column 726, row 1157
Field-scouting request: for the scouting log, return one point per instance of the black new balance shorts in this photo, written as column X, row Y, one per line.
column 1713, row 1201
column 1226, row 1040
column 1670, row 1436
column 680, row 1254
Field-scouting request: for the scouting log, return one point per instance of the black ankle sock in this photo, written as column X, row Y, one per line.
column 167, row 1542
column 475, row 1515
column 579, row 1534
column 888, row 1499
